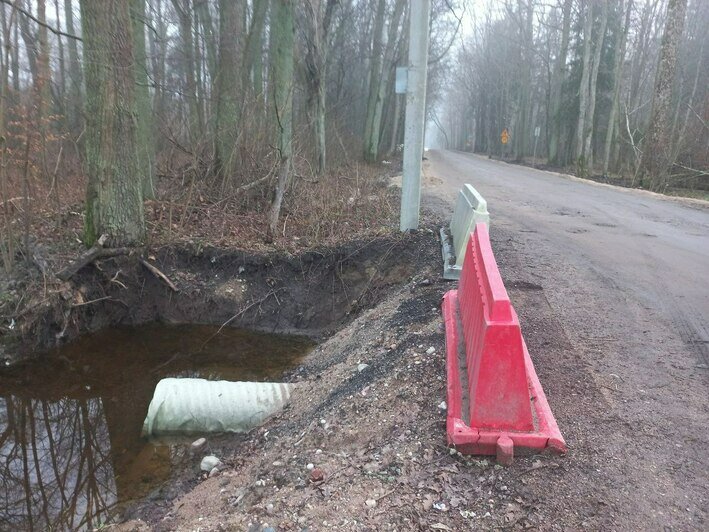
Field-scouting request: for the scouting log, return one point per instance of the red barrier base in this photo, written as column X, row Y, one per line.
column 478, row 440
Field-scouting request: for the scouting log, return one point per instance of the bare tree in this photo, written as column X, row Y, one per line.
column 114, row 199
column 282, row 77
column 657, row 148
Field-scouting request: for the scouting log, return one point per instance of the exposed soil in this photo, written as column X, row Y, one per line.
column 216, row 250
column 310, row 293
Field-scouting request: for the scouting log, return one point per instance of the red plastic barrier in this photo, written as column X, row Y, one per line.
column 505, row 404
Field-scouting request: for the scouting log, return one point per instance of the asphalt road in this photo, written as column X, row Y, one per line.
column 626, row 273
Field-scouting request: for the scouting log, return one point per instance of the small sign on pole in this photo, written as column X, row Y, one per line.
column 505, row 136
column 402, row 80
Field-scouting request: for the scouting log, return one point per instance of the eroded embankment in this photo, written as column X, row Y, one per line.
column 309, row 293
column 362, row 445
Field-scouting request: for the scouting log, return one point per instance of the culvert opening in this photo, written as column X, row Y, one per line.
column 71, row 449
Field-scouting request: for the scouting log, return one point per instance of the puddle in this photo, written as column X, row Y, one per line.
column 70, row 445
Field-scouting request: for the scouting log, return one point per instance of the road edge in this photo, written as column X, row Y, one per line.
column 689, row 202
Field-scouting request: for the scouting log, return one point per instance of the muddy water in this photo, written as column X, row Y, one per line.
column 70, row 444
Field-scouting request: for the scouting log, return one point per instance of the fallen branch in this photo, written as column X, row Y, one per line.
column 249, row 186
column 160, row 275
column 97, row 251
column 697, row 172
column 262, row 300
column 75, row 305
column 242, row 311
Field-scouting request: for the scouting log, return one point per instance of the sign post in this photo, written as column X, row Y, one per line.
column 504, row 139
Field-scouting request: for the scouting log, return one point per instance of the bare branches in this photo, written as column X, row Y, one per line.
column 97, row 251
column 24, row 12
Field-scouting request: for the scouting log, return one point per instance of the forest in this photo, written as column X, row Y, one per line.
column 150, row 120
column 616, row 89
column 145, row 120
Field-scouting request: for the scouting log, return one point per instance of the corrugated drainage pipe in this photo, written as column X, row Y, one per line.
column 190, row 406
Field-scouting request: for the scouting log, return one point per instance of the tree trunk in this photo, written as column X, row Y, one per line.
column 16, row 59
column 395, row 125
column 201, row 8
column 158, row 53
column 556, row 84
column 60, row 48
column 7, row 239
column 144, row 133
column 5, row 42
column 200, row 85
column 75, row 74
column 521, row 131
column 43, row 95
column 282, row 76
column 657, row 148
column 683, row 130
column 114, row 199
column 617, row 71
column 318, row 21
column 375, row 73
column 30, row 40
column 44, row 79
column 204, row 16
column 228, row 85
column 184, row 15
column 385, row 78
column 584, row 88
column 588, row 138
column 253, row 62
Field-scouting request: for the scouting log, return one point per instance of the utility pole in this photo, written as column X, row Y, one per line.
column 415, row 114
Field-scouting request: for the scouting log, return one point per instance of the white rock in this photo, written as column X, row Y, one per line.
column 430, row 350
column 442, row 405
column 209, row 462
column 371, row 503
column 310, row 467
column 362, row 367
column 198, row 444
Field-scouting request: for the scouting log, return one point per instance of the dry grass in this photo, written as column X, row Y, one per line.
column 350, row 201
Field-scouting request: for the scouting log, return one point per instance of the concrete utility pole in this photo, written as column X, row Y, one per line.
column 415, row 114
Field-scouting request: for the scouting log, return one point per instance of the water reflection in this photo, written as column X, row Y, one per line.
column 56, row 461
column 70, row 445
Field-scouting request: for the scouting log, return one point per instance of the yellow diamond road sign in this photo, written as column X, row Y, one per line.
column 505, row 136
